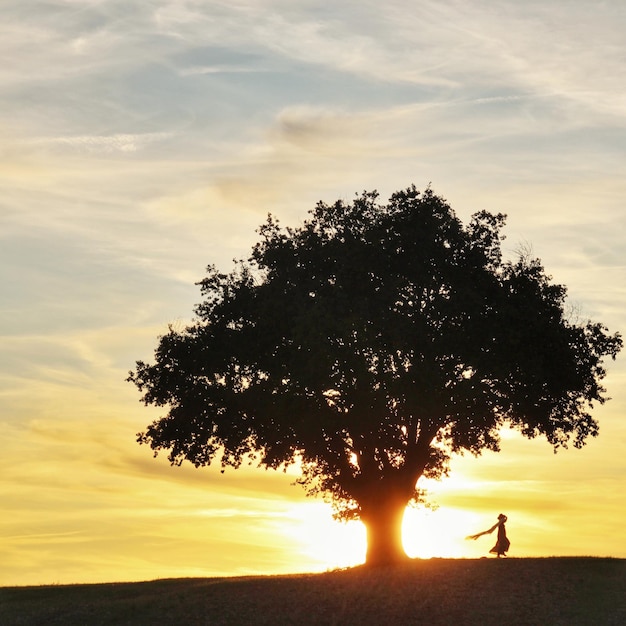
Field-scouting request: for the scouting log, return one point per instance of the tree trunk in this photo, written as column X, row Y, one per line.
column 383, row 521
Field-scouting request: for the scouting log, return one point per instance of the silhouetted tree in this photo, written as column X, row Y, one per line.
column 368, row 345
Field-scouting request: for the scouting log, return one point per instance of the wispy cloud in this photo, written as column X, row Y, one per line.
column 218, row 69
column 106, row 143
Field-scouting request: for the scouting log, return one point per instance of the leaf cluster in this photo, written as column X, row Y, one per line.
column 369, row 344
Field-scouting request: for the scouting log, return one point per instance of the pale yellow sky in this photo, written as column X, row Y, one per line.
column 142, row 141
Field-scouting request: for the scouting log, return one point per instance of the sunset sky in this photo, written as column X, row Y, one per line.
column 141, row 140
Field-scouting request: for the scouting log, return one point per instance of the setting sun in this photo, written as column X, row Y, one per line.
column 331, row 544
column 438, row 533
column 326, row 543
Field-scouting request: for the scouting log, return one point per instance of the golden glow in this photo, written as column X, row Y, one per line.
column 84, row 503
column 438, row 533
column 426, row 534
column 324, row 542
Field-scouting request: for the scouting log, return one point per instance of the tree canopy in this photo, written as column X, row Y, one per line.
column 369, row 344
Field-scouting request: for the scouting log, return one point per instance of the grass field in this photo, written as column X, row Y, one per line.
column 546, row 592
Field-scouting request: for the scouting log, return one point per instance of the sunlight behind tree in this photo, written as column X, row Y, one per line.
column 325, row 542
column 439, row 533
column 329, row 544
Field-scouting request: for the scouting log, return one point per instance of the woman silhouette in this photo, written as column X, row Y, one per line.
column 502, row 544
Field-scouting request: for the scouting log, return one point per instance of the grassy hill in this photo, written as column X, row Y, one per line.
column 551, row 591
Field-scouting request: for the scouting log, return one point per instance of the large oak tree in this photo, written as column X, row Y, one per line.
column 368, row 345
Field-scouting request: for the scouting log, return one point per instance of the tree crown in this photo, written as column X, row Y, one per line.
column 370, row 343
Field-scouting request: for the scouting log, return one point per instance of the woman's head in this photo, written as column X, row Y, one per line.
column 502, row 517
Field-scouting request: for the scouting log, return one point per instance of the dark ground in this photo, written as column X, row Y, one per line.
column 546, row 592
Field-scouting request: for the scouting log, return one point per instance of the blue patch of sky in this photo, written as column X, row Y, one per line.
column 600, row 150
column 246, row 84
column 159, row 97
column 53, row 283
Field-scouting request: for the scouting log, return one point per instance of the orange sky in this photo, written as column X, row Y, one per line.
column 143, row 141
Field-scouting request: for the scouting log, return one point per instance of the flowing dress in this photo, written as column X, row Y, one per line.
column 503, row 543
